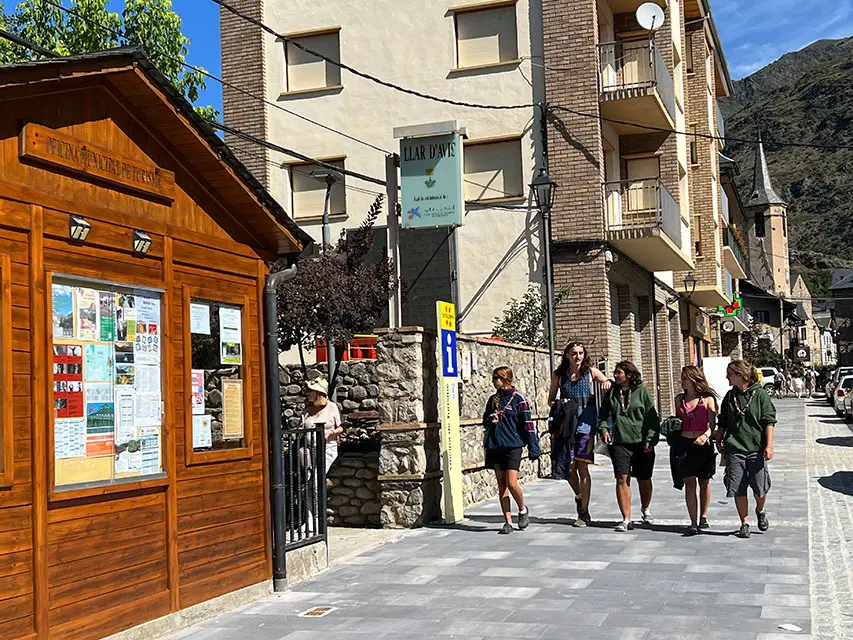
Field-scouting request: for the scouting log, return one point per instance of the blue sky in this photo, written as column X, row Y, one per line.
column 754, row 32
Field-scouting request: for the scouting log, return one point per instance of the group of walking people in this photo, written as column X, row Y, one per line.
column 624, row 425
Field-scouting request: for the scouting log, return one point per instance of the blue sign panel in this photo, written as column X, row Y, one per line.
column 449, row 364
column 431, row 181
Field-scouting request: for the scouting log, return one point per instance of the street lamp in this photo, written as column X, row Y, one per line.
column 689, row 285
column 544, row 188
column 330, row 177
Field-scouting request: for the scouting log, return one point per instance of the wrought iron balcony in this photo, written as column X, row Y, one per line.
column 635, row 85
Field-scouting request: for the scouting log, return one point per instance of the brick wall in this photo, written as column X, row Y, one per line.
column 242, row 47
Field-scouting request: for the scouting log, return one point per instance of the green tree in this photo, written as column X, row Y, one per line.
column 89, row 25
column 523, row 319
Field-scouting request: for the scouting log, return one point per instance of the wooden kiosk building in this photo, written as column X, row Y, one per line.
column 133, row 448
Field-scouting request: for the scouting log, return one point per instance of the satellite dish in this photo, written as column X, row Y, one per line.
column 650, row 16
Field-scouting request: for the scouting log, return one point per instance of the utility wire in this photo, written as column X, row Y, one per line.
column 28, row 44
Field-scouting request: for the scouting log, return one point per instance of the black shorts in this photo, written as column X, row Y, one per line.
column 695, row 460
column 632, row 460
column 504, row 459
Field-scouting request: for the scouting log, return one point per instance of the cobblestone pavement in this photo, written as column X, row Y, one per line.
column 555, row 581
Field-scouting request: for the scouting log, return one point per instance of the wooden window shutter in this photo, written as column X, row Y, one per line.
column 309, row 194
column 486, row 37
column 307, row 71
column 493, row 170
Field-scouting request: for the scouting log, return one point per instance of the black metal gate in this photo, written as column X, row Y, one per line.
column 304, row 453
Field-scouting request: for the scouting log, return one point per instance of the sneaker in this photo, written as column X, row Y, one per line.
column 703, row 523
column 692, row 530
column 743, row 532
column 624, row 526
column 579, row 522
column 763, row 524
column 507, row 528
column 647, row 517
column 523, row 519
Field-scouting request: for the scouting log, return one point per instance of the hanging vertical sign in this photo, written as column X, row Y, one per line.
column 431, row 181
column 451, row 448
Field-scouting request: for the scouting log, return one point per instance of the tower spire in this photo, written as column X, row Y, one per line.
column 762, row 188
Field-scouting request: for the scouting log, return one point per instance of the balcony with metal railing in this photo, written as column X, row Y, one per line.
column 635, row 86
column 733, row 255
column 644, row 222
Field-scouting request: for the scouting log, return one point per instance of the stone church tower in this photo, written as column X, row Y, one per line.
column 767, row 218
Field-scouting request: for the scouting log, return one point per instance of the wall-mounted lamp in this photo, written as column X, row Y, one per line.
column 141, row 241
column 689, row 285
column 78, row 228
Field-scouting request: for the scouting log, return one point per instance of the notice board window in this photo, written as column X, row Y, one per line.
column 218, row 397
column 7, row 442
column 106, row 384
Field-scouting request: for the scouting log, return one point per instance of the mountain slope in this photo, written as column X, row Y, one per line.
column 804, row 97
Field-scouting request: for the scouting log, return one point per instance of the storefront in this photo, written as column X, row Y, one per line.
column 133, row 253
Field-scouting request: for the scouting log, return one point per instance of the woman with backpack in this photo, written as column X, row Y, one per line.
column 694, row 451
column 572, row 448
column 508, row 430
column 629, row 423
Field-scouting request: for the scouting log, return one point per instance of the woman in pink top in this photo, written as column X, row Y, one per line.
column 697, row 409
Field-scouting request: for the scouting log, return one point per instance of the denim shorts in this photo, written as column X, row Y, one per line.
column 746, row 471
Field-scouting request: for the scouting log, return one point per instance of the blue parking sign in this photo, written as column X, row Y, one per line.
column 449, row 365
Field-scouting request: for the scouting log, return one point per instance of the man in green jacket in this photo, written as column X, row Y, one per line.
column 629, row 423
column 745, row 435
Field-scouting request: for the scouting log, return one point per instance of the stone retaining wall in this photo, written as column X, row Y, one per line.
column 353, row 490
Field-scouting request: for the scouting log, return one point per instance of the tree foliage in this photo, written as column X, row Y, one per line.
column 523, row 319
column 337, row 294
column 760, row 351
column 90, row 26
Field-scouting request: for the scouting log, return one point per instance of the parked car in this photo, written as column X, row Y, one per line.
column 770, row 376
column 848, row 405
column 834, row 379
column 844, row 386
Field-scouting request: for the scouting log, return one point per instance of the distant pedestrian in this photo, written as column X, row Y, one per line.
column 572, row 450
column 745, row 434
column 509, row 429
column 629, row 423
column 811, row 382
column 694, row 450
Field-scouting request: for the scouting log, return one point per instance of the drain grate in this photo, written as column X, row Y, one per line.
column 317, row 612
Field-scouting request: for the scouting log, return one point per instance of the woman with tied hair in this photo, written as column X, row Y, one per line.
column 508, row 429
column 746, row 425
column 629, row 423
column 696, row 407
column 574, row 378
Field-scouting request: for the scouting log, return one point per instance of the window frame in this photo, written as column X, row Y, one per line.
column 697, row 243
column 161, row 479
column 7, row 427
column 481, row 7
column 301, row 35
column 759, row 215
column 297, row 164
column 481, row 142
column 192, row 457
column 763, row 314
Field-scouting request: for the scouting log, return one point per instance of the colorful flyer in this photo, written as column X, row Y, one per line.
column 123, row 352
column 200, row 318
column 68, row 399
column 230, row 336
column 100, row 420
column 198, row 391
column 202, row 438
column 232, row 409
column 69, row 438
column 125, row 318
column 87, row 315
column 107, row 316
column 147, row 339
column 98, row 362
column 63, row 312
column 149, row 440
column 125, row 374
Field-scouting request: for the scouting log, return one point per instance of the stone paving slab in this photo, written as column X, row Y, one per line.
column 555, row 581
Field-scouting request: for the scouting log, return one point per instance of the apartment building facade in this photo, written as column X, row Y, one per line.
column 637, row 187
column 477, row 52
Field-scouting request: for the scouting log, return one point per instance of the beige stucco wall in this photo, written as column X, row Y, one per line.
column 411, row 44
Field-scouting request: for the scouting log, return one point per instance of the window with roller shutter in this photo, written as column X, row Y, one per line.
column 493, row 170
column 305, row 71
column 308, row 194
column 486, row 36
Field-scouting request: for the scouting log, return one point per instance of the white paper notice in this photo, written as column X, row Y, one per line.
column 202, row 438
column 147, row 340
column 149, row 440
column 199, row 318
column 129, row 462
column 69, row 438
column 125, row 428
column 98, row 392
column 466, row 365
column 148, row 396
column 230, row 336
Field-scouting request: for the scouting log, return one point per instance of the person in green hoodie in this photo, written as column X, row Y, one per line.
column 745, row 435
column 629, row 423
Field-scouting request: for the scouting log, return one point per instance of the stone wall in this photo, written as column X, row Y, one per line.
column 353, row 490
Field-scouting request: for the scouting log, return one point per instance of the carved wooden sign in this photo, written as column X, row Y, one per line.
column 52, row 147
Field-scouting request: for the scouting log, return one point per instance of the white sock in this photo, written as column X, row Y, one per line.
column 520, row 512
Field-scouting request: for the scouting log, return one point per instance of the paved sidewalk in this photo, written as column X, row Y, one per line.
column 554, row 581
